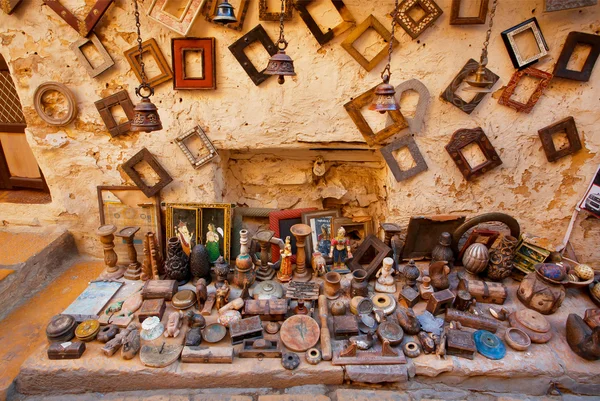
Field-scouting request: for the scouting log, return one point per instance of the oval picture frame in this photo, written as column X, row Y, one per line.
column 63, row 90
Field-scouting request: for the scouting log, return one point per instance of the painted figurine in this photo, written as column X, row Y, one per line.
column 318, row 264
column 285, row 271
column 385, row 280
column 212, row 242
column 185, row 237
column 324, row 240
column 222, row 295
column 340, row 248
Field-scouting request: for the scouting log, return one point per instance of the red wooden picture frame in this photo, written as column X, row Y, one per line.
column 275, row 218
column 179, row 46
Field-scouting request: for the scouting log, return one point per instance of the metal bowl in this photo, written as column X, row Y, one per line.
column 213, row 333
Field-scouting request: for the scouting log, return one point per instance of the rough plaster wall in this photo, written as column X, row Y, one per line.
column 308, row 108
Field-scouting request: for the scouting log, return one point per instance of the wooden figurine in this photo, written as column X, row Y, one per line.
column 195, row 320
column 408, row 321
column 174, row 324
column 385, row 280
column 285, row 270
column 222, row 295
column 201, row 293
column 438, row 272
column 153, row 262
column 340, row 249
column 427, row 342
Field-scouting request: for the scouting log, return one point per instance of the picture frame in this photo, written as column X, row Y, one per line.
column 463, row 138
column 406, row 141
column 590, row 202
column 508, row 36
column 60, row 119
column 568, row 126
column 210, row 9
column 181, row 77
column 191, row 223
column 149, row 48
column 561, row 69
column 357, row 229
column 456, row 19
column 559, row 5
column 415, row 123
column 348, row 21
column 104, row 106
column 479, row 236
column 181, row 24
column 197, row 157
column 107, row 61
column 280, row 222
column 265, row 15
column 369, row 255
column 259, row 34
column 318, row 220
column 8, row 6
column 85, row 27
column 252, row 219
column 125, row 206
column 506, row 97
column 416, row 28
column 145, row 155
column 423, row 234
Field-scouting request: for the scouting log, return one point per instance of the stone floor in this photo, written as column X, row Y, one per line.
column 18, row 247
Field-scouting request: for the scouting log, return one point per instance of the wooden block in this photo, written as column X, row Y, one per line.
column 66, row 350
column 260, row 349
column 208, row 305
column 440, row 301
column 345, row 327
column 245, row 329
column 203, row 354
column 159, row 289
column 267, row 309
column 152, row 307
column 473, row 321
column 482, row 291
column 410, row 296
column 460, row 343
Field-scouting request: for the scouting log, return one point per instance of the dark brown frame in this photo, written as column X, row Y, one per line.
column 412, row 27
column 479, row 19
column 206, row 46
column 566, row 124
column 512, row 48
column 152, row 48
column 354, row 108
column 369, row 22
column 381, row 249
column 122, row 99
column 573, row 39
column 238, row 223
column 210, row 8
column 89, row 23
column 464, row 137
column 506, row 97
column 145, row 155
column 237, row 49
column 348, row 21
column 264, row 15
column 345, row 222
column 407, row 141
column 426, row 231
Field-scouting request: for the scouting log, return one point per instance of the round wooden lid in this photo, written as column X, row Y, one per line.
column 184, row 299
column 299, row 333
column 87, row 329
column 532, row 320
column 59, row 325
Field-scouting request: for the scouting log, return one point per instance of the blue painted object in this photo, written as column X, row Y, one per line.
column 489, row 345
column 553, row 271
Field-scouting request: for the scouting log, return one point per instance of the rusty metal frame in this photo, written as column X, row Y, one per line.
column 122, row 99
column 369, row 22
column 464, row 137
column 412, row 27
column 505, row 98
column 145, row 155
column 89, row 23
column 257, row 33
column 264, row 15
column 107, row 61
column 450, row 95
column 573, row 39
column 567, row 125
column 210, row 8
column 348, row 21
column 508, row 36
column 407, row 141
column 455, row 19
column 151, row 47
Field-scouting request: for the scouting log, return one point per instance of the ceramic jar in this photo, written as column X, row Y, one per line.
column 332, row 285
column 359, row 286
column 177, row 263
column 425, row 288
column 443, row 251
column 152, row 328
column 584, row 272
column 244, row 267
column 476, row 258
column 200, row 263
column 540, row 295
column 221, row 269
column 338, row 308
column 501, row 258
column 411, row 273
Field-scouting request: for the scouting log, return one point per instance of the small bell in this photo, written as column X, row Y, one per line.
column 225, row 14
column 145, row 117
column 480, row 83
column 384, row 97
column 280, row 64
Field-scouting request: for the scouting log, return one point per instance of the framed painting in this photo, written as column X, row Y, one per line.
column 357, row 229
column 320, row 238
column 280, row 222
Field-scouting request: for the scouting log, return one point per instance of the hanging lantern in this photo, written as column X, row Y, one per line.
column 225, row 14
column 145, row 113
column 280, row 63
column 480, row 83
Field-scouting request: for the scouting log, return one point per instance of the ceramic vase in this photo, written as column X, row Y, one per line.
column 332, row 285
column 177, row 263
column 443, row 251
column 244, row 266
column 200, row 263
column 476, row 258
column 359, row 285
column 501, row 258
column 221, row 269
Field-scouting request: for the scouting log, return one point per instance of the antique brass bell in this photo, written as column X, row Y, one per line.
column 280, row 64
column 225, row 13
column 384, row 97
column 145, row 116
column 480, row 83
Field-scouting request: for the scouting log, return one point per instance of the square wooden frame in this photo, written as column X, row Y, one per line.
column 8, row 6
column 307, row 217
column 122, row 99
column 264, row 15
column 210, row 8
column 89, row 23
column 181, row 25
column 388, row 154
column 505, row 98
column 412, row 27
column 464, row 137
column 150, row 46
column 479, row 19
column 237, row 49
column 208, row 80
column 381, row 252
column 566, row 124
column 145, row 155
column 354, row 108
column 450, row 95
column 348, row 43
column 348, row 21
column 199, row 132
column 490, row 238
column 508, row 36
column 274, row 225
column 573, row 39
column 91, row 70
column 349, row 222
column 423, row 233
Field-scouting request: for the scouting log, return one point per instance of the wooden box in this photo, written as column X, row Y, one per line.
column 203, row 354
column 159, row 289
column 260, row 349
column 67, row 350
column 345, row 327
column 482, row 291
column 266, row 309
column 152, row 307
column 246, row 329
column 460, row 343
column 440, row 301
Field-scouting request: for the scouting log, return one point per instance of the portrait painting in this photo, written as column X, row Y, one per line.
column 321, row 223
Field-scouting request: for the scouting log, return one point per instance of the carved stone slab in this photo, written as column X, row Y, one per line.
column 464, row 137
column 388, row 154
column 257, row 33
column 412, row 27
column 506, row 97
column 148, row 190
column 107, row 61
column 324, row 37
column 415, row 123
column 299, row 333
column 567, row 125
column 450, row 95
column 573, row 39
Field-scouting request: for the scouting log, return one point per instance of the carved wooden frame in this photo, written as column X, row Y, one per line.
column 573, row 39
column 464, row 137
column 8, row 6
column 508, row 36
column 415, row 123
column 68, row 95
column 559, row 5
column 274, row 218
column 348, row 21
column 388, row 154
column 122, row 99
column 412, row 27
column 566, row 124
column 199, row 132
column 264, row 15
column 181, row 25
column 354, row 108
column 206, row 46
column 505, row 98
column 455, row 19
column 237, row 49
column 348, row 43
column 145, row 155
column 91, row 70
column 210, row 8
column 151, row 47
column 381, row 249
column 91, row 20
column 450, row 95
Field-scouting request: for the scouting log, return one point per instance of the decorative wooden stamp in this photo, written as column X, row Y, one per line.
column 464, row 137
column 508, row 36
column 506, row 97
column 107, row 61
column 573, row 39
column 369, row 255
column 257, row 33
column 63, row 118
column 265, row 15
column 450, row 95
column 8, row 6
column 149, row 48
column 181, row 24
column 148, row 190
column 183, row 79
column 456, row 19
column 415, row 28
column 210, row 9
column 407, row 141
column 104, row 106
column 348, row 43
column 567, row 125
column 91, row 20
column 324, row 37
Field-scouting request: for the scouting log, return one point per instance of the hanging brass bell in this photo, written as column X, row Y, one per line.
column 225, row 14
column 479, row 83
column 384, row 97
column 280, row 64
column 145, row 117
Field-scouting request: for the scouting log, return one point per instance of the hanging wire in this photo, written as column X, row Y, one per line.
column 484, row 53
column 386, row 77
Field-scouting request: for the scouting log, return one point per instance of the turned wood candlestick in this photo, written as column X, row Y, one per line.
column 264, row 271
column 301, row 231
column 134, row 270
column 107, row 238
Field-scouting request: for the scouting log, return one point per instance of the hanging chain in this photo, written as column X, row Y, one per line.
column 387, row 68
column 139, row 40
column 483, row 60
column 281, row 37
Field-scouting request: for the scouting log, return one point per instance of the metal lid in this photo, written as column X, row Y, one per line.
column 267, row 290
column 364, row 306
column 184, row 299
column 88, row 328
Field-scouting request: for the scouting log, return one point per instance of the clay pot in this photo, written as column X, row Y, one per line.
column 442, row 251
column 425, row 288
column 517, row 339
column 177, row 263
column 338, row 308
column 221, row 269
column 475, row 258
column 332, row 285
column 501, row 258
column 200, row 263
column 540, row 295
column 359, row 286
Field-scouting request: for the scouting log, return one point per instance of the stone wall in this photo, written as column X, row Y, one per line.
column 265, row 134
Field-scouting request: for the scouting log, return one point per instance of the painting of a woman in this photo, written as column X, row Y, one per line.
column 212, row 242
